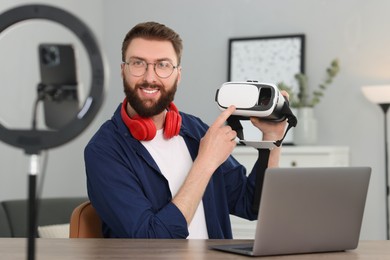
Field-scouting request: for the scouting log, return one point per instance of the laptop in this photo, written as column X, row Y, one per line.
column 308, row 210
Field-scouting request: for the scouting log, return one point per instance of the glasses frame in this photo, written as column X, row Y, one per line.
column 154, row 68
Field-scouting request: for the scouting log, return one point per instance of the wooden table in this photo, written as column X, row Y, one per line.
column 80, row 249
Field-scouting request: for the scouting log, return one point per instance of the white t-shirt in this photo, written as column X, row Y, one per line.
column 174, row 160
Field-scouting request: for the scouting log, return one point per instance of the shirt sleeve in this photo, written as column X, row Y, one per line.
column 240, row 188
column 121, row 201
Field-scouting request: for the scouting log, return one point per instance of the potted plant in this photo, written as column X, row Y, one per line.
column 303, row 98
column 304, row 102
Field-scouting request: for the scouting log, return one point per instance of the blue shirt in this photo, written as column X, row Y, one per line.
column 133, row 199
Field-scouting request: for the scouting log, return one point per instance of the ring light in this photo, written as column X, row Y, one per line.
column 33, row 141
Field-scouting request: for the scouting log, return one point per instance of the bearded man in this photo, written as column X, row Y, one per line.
column 155, row 172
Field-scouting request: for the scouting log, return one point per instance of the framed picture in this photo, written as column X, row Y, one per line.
column 270, row 59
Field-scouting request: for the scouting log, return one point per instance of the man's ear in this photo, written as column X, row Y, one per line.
column 178, row 74
column 123, row 70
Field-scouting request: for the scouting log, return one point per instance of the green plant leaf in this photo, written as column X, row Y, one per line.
column 303, row 98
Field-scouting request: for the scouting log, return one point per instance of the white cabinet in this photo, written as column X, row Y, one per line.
column 314, row 156
column 291, row 156
column 299, row 156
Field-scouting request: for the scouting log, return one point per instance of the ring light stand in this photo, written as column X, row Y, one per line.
column 33, row 141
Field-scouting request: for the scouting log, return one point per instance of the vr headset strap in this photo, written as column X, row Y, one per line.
column 261, row 165
column 291, row 120
column 263, row 154
column 234, row 122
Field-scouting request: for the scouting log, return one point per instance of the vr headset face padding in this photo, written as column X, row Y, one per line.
column 143, row 129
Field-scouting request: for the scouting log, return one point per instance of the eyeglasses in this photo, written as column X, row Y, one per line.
column 162, row 68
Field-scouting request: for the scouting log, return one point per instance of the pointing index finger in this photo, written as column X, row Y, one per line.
column 221, row 119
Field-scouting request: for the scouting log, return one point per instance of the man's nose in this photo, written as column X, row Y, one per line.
column 150, row 74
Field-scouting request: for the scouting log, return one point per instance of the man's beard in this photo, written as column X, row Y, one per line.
column 140, row 106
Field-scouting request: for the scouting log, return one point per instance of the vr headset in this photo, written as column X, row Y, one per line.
column 254, row 99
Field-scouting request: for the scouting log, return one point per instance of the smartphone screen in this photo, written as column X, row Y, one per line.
column 57, row 65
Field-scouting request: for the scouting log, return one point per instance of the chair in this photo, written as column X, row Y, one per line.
column 85, row 222
column 51, row 212
column 5, row 229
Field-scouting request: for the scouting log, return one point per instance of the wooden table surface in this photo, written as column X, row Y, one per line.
column 79, row 249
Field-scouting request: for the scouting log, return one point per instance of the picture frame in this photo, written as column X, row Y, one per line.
column 266, row 59
column 270, row 59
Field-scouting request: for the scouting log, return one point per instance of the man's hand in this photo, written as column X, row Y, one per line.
column 272, row 131
column 218, row 142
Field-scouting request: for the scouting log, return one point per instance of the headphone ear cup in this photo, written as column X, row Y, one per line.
column 178, row 125
column 172, row 124
column 169, row 124
column 143, row 129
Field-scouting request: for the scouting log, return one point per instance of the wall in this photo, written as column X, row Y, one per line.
column 355, row 31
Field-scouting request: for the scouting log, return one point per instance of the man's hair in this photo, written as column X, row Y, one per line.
column 153, row 31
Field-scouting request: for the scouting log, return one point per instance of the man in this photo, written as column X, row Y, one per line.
column 154, row 172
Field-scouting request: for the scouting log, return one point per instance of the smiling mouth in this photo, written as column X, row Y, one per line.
column 150, row 90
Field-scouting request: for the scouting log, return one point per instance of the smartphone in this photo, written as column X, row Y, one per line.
column 57, row 63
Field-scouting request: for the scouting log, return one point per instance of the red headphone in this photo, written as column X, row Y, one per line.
column 143, row 129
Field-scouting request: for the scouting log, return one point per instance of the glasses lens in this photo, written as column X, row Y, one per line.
column 164, row 69
column 137, row 67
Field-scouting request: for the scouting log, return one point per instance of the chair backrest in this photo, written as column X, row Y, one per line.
column 51, row 211
column 85, row 222
column 5, row 230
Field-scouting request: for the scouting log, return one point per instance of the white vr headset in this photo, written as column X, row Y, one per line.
column 253, row 99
